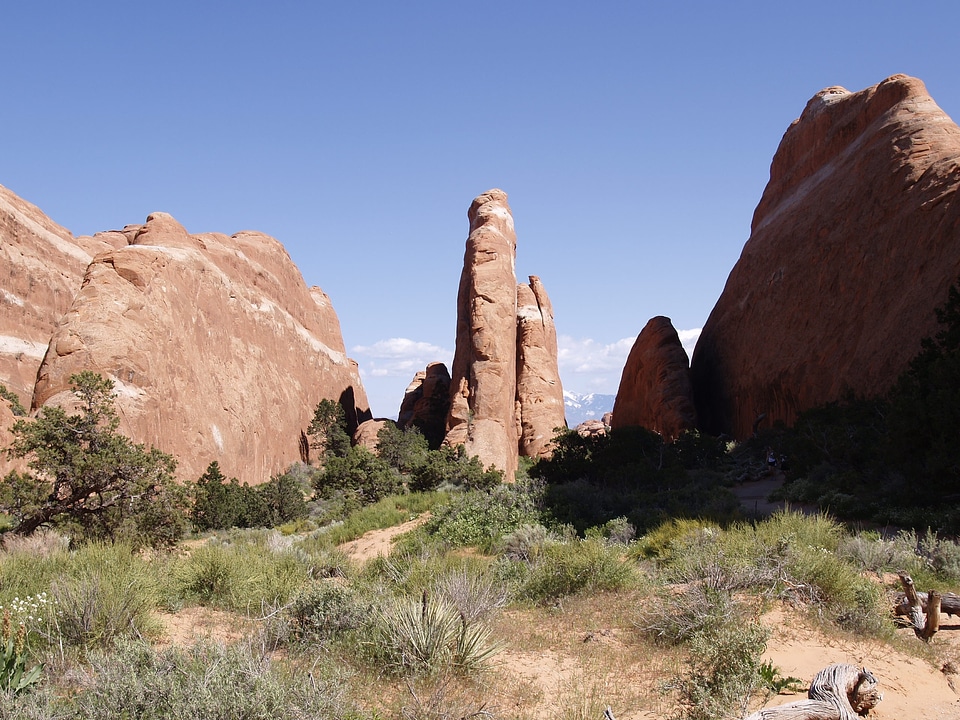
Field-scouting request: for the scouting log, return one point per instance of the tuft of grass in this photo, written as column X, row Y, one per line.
column 588, row 565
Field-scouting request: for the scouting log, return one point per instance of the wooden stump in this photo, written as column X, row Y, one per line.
column 924, row 614
column 838, row 692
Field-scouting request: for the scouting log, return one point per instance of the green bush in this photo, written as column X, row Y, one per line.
column 244, row 576
column 480, row 518
column 574, row 567
column 324, row 611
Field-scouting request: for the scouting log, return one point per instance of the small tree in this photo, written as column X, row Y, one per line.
column 401, row 449
column 217, row 503
column 86, row 475
column 328, row 429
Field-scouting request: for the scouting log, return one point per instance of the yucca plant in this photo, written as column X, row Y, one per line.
column 14, row 676
column 430, row 635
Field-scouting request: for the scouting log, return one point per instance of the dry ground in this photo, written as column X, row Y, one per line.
column 573, row 660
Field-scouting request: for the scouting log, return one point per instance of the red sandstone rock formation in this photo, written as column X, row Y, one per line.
column 218, row 349
column 854, row 243
column 368, row 432
column 41, row 266
column 484, row 378
column 539, row 391
column 426, row 403
column 655, row 390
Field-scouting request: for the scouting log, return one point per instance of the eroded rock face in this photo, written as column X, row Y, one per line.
column 41, row 266
column 854, row 243
column 482, row 413
column 655, row 390
column 426, row 403
column 218, row 349
column 540, row 406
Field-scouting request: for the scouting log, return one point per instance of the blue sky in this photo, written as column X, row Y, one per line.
column 634, row 140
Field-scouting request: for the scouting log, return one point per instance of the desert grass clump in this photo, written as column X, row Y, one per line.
column 103, row 594
column 244, row 576
column 588, row 565
column 475, row 593
column 213, row 682
column 429, row 636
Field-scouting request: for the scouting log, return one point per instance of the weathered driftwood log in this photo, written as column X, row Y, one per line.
column 925, row 617
column 949, row 604
column 838, row 692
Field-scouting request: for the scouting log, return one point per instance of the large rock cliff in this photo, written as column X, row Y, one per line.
column 540, row 407
column 655, row 390
column 41, row 265
column 854, row 243
column 218, row 349
column 482, row 413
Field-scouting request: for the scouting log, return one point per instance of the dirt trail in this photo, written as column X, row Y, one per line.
column 375, row 543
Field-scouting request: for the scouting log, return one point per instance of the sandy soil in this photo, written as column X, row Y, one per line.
column 911, row 687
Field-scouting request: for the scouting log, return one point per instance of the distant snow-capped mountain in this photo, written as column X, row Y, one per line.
column 580, row 408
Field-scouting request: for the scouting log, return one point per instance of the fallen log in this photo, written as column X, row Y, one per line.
column 949, row 604
column 838, row 692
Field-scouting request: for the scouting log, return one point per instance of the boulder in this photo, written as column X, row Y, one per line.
column 218, row 349
column 482, row 414
column 655, row 390
column 426, row 403
column 855, row 242
column 367, row 433
column 539, row 391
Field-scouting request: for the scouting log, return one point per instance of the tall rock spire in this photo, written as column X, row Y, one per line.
column 540, row 406
column 482, row 413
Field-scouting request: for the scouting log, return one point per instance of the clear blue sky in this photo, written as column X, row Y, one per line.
column 633, row 138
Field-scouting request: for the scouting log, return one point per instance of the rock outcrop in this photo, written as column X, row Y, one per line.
column 854, row 243
column 367, row 433
column 41, row 266
column 426, row 403
column 540, row 407
column 482, row 413
column 655, row 390
column 218, row 349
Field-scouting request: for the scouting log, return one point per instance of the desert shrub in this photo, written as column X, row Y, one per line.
column 450, row 465
column 480, row 518
column 205, row 681
column 579, row 566
column 526, row 543
column 324, row 611
column 725, row 641
column 356, row 478
column 661, row 541
column 244, row 577
column 103, row 593
column 618, row 531
column 473, row 592
column 874, row 553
